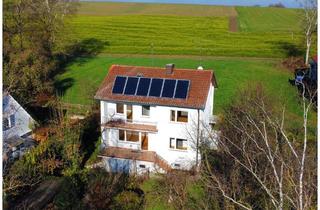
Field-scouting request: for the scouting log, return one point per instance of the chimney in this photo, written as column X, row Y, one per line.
column 169, row 68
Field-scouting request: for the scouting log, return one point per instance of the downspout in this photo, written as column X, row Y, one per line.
column 197, row 147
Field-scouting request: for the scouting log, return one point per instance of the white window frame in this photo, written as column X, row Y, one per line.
column 124, row 108
column 142, row 110
column 125, row 137
column 176, row 116
column 175, row 144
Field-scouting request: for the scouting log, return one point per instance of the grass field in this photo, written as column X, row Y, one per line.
column 136, row 28
column 112, row 8
column 133, row 33
column 82, row 78
column 270, row 19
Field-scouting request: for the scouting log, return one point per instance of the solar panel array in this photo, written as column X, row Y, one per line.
column 154, row 87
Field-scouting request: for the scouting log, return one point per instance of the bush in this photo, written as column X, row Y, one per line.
column 102, row 188
column 70, row 195
column 128, row 200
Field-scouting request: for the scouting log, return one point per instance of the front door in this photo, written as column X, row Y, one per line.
column 144, row 141
column 129, row 113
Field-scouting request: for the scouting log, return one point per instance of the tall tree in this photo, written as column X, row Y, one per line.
column 310, row 23
column 30, row 32
column 258, row 163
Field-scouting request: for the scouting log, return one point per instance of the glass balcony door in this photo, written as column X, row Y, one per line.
column 129, row 113
column 144, row 141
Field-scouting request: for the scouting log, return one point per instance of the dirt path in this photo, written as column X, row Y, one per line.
column 233, row 23
column 41, row 196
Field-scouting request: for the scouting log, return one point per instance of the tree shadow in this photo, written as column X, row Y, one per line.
column 90, row 136
column 62, row 85
column 291, row 50
column 84, row 49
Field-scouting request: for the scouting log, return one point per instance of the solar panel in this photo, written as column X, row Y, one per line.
column 182, row 89
column 156, row 87
column 131, row 86
column 143, row 87
column 168, row 88
column 119, row 84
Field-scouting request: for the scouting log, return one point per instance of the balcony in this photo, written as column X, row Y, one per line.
column 149, row 156
column 131, row 125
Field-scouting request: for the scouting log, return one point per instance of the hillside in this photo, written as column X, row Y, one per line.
column 112, row 8
column 137, row 28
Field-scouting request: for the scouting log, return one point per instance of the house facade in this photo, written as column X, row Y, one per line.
column 16, row 120
column 16, row 130
column 152, row 118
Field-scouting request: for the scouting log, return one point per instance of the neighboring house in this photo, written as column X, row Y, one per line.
column 17, row 124
column 152, row 118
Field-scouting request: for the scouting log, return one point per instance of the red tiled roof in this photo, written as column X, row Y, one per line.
column 131, row 126
column 200, row 81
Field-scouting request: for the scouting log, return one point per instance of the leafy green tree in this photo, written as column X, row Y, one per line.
column 30, row 36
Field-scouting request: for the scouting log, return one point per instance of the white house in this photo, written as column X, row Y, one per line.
column 17, row 124
column 152, row 118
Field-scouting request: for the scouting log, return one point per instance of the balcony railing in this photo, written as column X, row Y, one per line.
column 124, row 120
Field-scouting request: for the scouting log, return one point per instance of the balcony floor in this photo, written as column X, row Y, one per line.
column 124, row 153
column 131, row 126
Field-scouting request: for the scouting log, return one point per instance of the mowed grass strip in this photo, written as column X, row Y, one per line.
column 113, row 8
column 180, row 35
column 269, row 19
column 83, row 77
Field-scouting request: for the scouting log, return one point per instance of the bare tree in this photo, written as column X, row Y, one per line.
column 257, row 152
column 310, row 22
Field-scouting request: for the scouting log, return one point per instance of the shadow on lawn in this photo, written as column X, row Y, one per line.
column 290, row 49
column 84, row 49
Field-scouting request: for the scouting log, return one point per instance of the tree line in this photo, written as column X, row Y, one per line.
column 32, row 39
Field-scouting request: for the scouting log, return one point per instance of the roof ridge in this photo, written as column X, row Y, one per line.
column 154, row 67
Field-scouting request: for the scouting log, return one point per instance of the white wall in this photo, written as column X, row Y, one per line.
column 23, row 121
column 160, row 141
column 129, row 166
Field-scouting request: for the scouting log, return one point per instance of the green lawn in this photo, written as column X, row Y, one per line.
column 85, row 75
column 152, row 200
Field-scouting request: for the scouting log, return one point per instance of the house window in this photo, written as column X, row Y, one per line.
column 182, row 116
column 179, row 116
column 172, row 142
column 132, row 136
column 142, row 166
column 146, row 110
column 181, row 144
column 121, row 135
column 12, row 120
column 120, row 108
column 173, row 116
column 6, row 125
